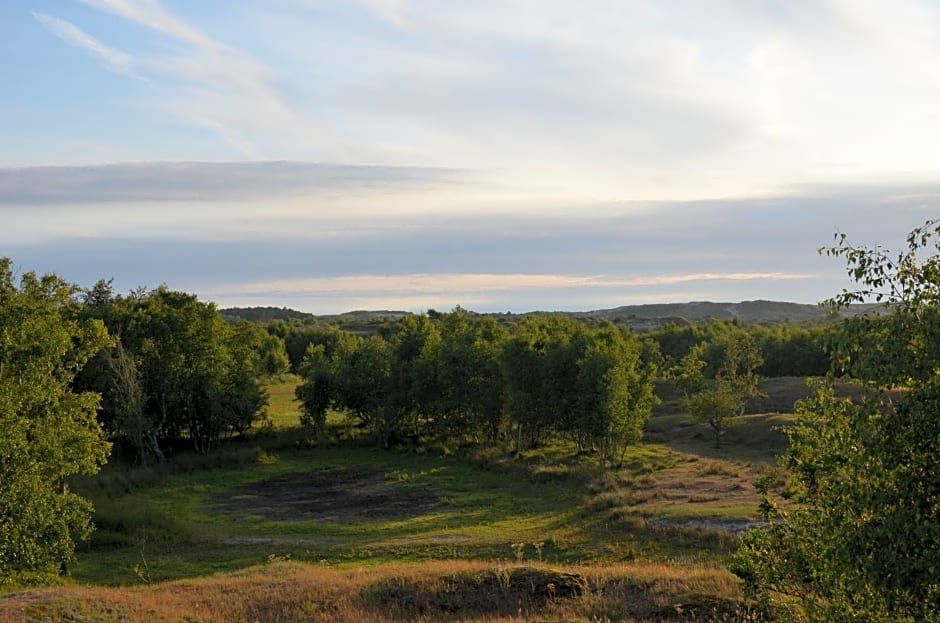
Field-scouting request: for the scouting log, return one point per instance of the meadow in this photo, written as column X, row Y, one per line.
column 281, row 527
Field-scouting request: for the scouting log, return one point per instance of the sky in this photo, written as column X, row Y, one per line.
column 501, row 155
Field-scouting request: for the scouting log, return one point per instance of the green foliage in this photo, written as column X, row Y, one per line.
column 470, row 384
column 314, row 392
column 362, row 383
column 460, row 378
column 615, row 391
column 298, row 336
column 735, row 382
column 179, row 372
column 859, row 538
column 592, row 385
column 49, row 431
column 786, row 349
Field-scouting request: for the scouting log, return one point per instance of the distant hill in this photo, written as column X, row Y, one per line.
column 760, row 312
column 262, row 314
column 637, row 317
column 267, row 314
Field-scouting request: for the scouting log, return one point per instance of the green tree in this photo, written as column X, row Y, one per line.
column 735, row 383
column 859, row 538
column 49, row 432
column 414, row 389
column 540, row 367
column 362, row 383
column 471, row 387
column 314, row 391
column 195, row 374
column 273, row 356
column 615, row 391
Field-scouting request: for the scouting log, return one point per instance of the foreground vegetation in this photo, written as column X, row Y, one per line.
column 469, row 591
column 396, row 534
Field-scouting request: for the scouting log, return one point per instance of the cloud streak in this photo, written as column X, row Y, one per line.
column 227, row 91
column 635, row 100
column 466, row 283
column 204, row 181
column 114, row 60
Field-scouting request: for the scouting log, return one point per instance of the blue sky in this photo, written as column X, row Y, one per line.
column 502, row 155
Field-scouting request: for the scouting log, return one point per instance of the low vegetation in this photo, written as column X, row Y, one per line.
column 284, row 591
column 409, row 534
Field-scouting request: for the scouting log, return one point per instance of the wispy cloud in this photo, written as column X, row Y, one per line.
column 649, row 99
column 114, row 60
column 637, row 99
column 420, row 291
column 205, row 182
column 226, row 90
column 471, row 284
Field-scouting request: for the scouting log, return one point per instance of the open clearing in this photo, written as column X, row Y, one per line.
column 331, row 495
column 356, row 514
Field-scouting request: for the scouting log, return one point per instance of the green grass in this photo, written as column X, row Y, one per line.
column 182, row 533
column 550, row 504
column 487, row 507
column 283, row 407
column 283, row 410
column 642, row 536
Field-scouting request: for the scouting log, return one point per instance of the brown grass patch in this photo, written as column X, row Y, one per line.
column 334, row 495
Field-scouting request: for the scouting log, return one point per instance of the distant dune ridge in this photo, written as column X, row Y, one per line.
column 638, row 317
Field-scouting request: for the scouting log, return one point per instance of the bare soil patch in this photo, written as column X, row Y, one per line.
column 334, row 495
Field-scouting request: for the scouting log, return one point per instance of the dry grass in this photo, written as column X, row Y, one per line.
column 466, row 591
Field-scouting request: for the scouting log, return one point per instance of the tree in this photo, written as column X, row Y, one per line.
column 193, row 371
column 314, row 391
column 471, row 387
column 362, row 383
column 49, row 432
column 274, row 360
column 261, row 352
column 615, row 391
column 591, row 384
column 735, row 383
column 414, row 388
column 540, row 368
column 859, row 538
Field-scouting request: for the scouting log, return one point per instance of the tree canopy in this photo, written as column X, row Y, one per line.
column 50, row 432
column 459, row 378
column 858, row 537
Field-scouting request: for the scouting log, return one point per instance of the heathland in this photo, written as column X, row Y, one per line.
column 163, row 461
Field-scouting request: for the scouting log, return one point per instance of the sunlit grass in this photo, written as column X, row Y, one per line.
column 283, row 407
column 658, row 510
column 464, row 590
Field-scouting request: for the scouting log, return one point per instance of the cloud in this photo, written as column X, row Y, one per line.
column 644, row 99
column 224, row 89
column 203, row 182
column 115, row 60
column 312, row 253
column 484, row 292
column 636, row 100
column 461, row 284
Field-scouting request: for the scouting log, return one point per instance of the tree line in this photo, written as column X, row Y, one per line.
column 461, row 378
column 174, row 374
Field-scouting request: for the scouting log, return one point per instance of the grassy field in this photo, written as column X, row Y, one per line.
column 283, row 591
column 364, row 525
column 283, row 408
